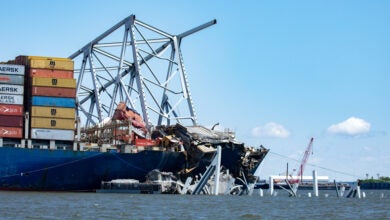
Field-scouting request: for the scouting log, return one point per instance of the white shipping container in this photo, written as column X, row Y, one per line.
column 12, row 69
column 52, row 134
column 11, row 89
column 11, row 99
column 11, row 79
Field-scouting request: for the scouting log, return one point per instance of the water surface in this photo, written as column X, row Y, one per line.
column 55, row 205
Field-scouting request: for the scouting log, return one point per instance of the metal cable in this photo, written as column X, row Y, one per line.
column 313, row 165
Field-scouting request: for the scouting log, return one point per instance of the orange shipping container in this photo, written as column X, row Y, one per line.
column 11, row 109
column 50, row 73
column 52, row 91
column 11, row 132
column 145, row 142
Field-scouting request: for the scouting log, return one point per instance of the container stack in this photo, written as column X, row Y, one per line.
column 50, row 97
column 11, row 100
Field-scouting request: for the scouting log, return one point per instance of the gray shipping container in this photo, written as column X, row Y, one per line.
column 11, row 89
column 11, row 99
column 12, row 79
column 12, row 69
column 52, row 134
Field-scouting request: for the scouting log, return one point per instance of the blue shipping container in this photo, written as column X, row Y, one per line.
column 53, row 101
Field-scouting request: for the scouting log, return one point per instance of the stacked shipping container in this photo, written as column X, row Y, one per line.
column 11, row 100
column 50, row 95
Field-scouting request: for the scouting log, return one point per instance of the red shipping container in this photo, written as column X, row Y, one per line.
column 53, row 91
column 145, row 142
column 11, row 109
column 11, row 121
column 11, row 132
column 50, row 73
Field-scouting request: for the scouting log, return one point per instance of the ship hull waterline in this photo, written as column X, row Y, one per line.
column 24, row 169
column 62, row 170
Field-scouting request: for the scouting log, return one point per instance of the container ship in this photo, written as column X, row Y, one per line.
column 62, row 134
column 43, row 146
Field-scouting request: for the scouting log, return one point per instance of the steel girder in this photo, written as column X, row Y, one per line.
column 144, row 69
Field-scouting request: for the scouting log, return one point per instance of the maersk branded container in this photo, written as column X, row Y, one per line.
column 53, row 101
column 38, row 62
column 52, row 134
column 54, row 82
column 11, row 110
column 11, row 99
column 52, row 91
column 50, row 73
column 11, row 121
column 53, row 112
column 11, row 89
column 53, row 123
column 12, row 79
column 12, row 69
column 11, row 132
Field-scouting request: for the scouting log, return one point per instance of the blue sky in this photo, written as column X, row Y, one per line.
column 276, row 72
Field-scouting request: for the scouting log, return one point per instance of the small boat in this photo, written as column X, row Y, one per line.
column 156, row 183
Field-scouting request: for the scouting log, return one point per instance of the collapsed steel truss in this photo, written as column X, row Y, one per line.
column 144, row 69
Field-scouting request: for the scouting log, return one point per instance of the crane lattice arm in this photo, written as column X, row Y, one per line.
column 305, row 158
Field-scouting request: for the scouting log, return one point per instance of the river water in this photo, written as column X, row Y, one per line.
column 55, row 205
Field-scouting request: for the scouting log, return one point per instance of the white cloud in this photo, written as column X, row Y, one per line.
column 352, row 127
column 271, row 130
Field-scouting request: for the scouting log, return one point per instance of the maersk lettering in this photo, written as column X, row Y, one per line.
column 8, row 89
column 6, row 97
column 9, row 69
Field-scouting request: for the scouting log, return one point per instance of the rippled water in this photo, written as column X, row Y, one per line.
column 44, row 205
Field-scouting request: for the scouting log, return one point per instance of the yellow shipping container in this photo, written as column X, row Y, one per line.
column 50, row 63
column 56, row 123
column 53, row 112
column 54, row 82
column 39, row 62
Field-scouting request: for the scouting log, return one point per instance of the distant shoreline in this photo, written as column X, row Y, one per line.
column 375, row 185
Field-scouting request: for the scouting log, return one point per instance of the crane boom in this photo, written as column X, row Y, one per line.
column 305, row 158
column 295, row 182
column 303, row 163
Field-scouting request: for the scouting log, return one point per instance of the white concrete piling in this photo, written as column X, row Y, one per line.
column 315, row 183
column 342, row 191
column 271, row 185
column 358, row 192
column 218, row 170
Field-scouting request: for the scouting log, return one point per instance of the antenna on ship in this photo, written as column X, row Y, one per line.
column 139, row 64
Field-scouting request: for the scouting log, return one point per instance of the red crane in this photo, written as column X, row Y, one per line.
column 303, row 162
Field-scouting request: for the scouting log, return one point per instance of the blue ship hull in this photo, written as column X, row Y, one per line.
column 62, row 170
